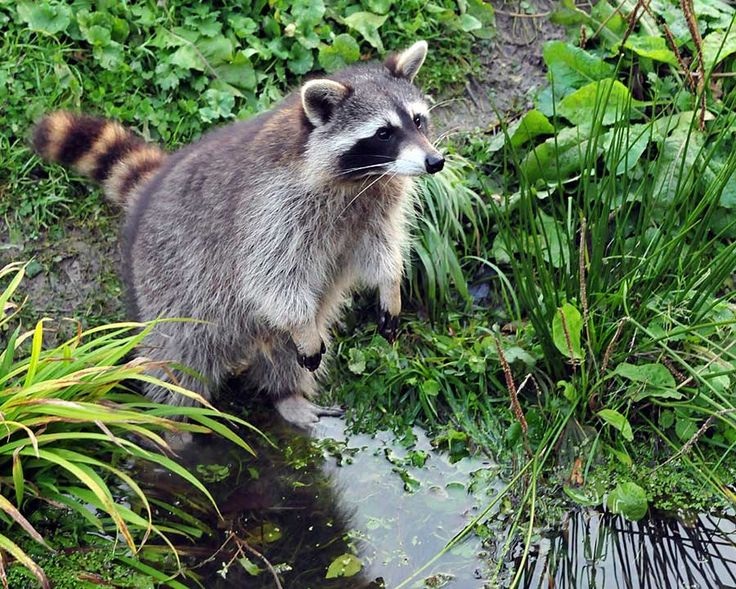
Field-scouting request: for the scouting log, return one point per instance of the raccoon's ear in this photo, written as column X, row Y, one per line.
column 320, row 97
column 407, row 63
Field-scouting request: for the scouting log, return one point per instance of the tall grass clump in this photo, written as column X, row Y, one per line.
column 70, row 425
column 449, row 227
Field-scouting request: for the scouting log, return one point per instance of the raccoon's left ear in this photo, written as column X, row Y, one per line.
column 407, row 63
column 320, row 97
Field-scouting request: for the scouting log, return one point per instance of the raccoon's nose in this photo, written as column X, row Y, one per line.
column 434, row 163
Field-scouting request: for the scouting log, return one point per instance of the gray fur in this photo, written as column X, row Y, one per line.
column 253, row 234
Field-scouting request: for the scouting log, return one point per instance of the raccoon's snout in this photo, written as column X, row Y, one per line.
column 434, row 163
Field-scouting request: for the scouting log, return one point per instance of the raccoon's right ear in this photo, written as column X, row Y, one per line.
column 320, row 97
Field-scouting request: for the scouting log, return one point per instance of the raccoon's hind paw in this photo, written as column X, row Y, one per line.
column 297, row 410
column 388, row 326
column 312, row 362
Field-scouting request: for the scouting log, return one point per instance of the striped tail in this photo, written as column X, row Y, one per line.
column 100, row 149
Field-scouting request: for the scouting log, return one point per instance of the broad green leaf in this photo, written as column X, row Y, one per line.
column 552, row 240
column 607, row 101
column 567, row 327
column 378, row 6
column 685, row 428
column 216, row 51
column 624, row 145
column 45, row 17
column 563, row 156
column 345, row 565
column 652, row 47
column 618, row 421
column 717, row 46
column 531, row 125
column 571, row 68
column 308, row 13
column 674, row 166
column 628, row 499
column 186, row 57
column 343, row 51
column 367, row 24
column 356, row 364
column 581, row 496
column 483, row 11
column 250, row 567
column 239, row 72
column 469, row 23
column 301, row 60
column 653, row 380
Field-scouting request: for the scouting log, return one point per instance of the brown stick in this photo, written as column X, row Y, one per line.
column 692, row 24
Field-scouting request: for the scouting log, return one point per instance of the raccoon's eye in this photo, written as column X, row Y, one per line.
column 384, row 133
column 418, row 121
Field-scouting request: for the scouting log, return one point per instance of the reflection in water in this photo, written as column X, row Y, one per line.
column 308, row 501
column 599, row 551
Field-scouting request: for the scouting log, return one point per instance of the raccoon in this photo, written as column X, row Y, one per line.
column 259, row 230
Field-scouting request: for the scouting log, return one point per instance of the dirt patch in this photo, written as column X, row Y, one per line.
column 72, row 274
column 512, row 69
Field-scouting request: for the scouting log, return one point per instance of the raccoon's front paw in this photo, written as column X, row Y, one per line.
column 312, row 362
column 388, row 326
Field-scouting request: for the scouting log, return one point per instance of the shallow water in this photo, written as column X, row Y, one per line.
column 310, row 501
column 601, row 551
column 316, row 499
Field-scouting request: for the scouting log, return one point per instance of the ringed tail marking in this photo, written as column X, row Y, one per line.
column 100, row 149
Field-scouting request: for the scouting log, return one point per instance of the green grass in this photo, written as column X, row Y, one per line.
column 70, row 425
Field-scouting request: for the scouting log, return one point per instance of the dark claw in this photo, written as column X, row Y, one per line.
column 312, row 362
column 388, row 326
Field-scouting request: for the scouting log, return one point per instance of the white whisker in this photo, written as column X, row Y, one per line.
column 347, row 206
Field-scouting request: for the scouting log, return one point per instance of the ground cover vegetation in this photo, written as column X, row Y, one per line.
column 570, row 306
column 75, row 434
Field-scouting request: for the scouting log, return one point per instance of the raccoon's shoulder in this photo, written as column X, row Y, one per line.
column 277, row 134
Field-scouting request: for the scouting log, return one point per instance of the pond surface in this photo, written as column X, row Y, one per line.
column 383, row 510
column 314, row 500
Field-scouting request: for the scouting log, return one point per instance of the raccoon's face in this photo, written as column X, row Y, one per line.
column 371, row 120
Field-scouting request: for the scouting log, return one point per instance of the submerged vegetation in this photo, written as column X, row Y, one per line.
column 570, row 295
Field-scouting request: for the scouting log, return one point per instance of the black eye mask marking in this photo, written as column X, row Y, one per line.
column 370, row 155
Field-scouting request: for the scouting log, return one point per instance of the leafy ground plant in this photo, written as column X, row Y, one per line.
column 71, row 428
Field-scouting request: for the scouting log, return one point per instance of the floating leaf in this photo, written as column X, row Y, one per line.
column 345, row 565
column 628, row 499
column 617, row 421
column 567, row 327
